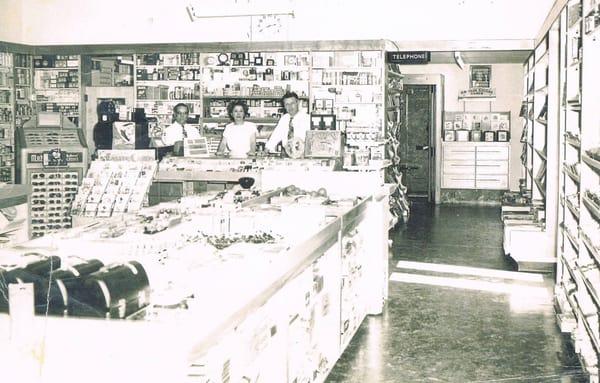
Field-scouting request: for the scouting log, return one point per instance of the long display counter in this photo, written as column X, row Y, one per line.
column 282, row 310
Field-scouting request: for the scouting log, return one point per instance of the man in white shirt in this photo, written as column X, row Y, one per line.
column 174, row 134
column 295, row 123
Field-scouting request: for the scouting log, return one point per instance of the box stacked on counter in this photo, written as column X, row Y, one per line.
column 115, row 184
column 51, row 196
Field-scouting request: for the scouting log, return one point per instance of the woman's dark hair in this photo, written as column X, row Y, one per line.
column 235, row 103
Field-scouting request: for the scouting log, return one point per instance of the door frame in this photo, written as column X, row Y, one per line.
column 435, row 135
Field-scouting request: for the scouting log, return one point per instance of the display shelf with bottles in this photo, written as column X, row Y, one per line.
column 23, row 75
column 163, row 80
column 57, row 85
column 259, row 79
column 352, row 84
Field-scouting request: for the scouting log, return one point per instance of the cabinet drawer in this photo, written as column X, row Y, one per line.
column 492, row 153
column 492, row 182
column 459, row 153
column 459, row 167
column 492, row 167
column 457, row 182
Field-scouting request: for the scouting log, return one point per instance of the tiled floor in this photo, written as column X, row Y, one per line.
column 434, row 333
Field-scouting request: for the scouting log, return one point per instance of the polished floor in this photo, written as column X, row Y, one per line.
column 442, row 326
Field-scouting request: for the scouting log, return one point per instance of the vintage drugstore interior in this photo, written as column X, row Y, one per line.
column 292, row 191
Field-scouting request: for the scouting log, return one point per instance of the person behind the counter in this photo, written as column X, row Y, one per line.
column 174, row 134
column 239, row 136
column 294, row 123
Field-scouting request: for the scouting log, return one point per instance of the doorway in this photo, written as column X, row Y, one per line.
column 417, row 139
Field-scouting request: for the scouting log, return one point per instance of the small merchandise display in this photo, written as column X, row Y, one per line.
column 115, row 183
column 478, row 126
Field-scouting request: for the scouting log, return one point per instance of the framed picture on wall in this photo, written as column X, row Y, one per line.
column 480, row 76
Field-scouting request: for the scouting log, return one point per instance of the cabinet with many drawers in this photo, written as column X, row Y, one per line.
column 475, row 165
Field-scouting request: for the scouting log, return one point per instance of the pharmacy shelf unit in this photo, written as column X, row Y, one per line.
column 577, row 291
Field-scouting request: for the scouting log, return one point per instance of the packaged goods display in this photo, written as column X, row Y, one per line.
column 114, row 186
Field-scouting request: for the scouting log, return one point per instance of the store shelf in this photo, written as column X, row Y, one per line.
column 540, row 187
column 55, row 69
column 592, row 207
column 187, row 66
column 574, row 142
column 168, row 101
column 256, row 120
column 5, row 88
column 168, row 81
column 591, row 249
column 572, row 175
column 572, row 239
column 594, row 164
column 382, row 166
column 572, row 209
column 541, row 154
column 248, row 97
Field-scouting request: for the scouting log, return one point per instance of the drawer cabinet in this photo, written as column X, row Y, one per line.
column 475, row 165
column 491, row 182
column 459, row 167
column 457, row 182
column 492, row 167
column 493, row 153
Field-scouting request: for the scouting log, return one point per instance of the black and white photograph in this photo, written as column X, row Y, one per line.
column 296, row 191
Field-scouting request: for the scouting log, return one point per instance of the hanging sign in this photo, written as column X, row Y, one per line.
column 408, row 58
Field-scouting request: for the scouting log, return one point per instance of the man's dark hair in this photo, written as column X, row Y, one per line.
column 180, row 105
column 235, row 103
column 289, row 95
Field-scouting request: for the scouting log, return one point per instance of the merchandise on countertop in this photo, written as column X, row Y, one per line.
column 114, row 185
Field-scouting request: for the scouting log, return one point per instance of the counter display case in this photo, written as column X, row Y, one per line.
column 295, row 280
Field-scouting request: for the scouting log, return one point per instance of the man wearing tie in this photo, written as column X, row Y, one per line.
column 174, row 134
column 294, row 123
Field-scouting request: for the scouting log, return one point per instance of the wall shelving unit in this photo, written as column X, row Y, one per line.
column 540, row 109
column 7, row 113
column 57, row 85
column 577, row 288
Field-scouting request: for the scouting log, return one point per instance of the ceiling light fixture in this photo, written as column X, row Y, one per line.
column 196, row 15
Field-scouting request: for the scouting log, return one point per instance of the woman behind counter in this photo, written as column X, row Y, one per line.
column 239, row 137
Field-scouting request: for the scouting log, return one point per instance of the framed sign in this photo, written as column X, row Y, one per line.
column 480, row 76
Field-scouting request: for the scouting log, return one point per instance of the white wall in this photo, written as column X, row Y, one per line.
column 506, row 78
column 139, row 21
column 11, row 19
